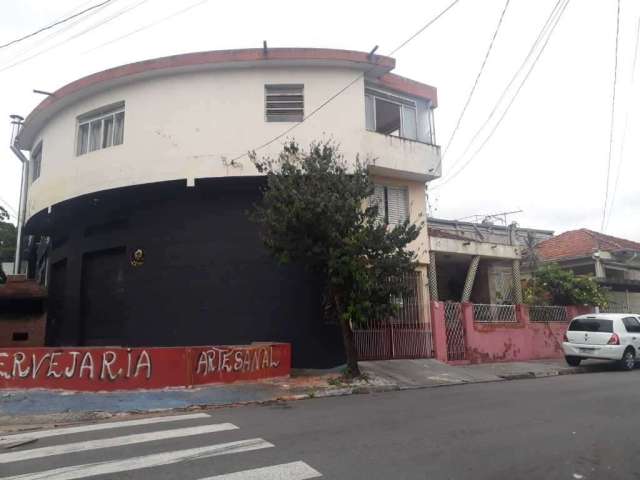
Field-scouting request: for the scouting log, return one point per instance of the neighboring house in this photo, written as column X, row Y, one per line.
column 478, row 262
column 140, row 180
column 615, row 263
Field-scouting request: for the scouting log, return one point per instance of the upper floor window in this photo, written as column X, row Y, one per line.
column 36, row 161
column 392, row 202
column 390, row 114
column 100, row 128
column 284, row 103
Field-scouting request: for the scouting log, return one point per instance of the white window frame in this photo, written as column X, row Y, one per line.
column 402, row 102
column 36, row 152
column 101, row 114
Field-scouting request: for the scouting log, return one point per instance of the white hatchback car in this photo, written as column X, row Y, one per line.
column 608, row 336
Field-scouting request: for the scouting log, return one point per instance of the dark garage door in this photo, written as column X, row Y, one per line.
column 103, row 296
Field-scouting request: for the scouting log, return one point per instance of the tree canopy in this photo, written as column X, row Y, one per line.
column 552, row 285
column 8, row 235
column 315, row 211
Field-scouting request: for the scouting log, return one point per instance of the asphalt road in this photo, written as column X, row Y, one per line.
column 570, row 427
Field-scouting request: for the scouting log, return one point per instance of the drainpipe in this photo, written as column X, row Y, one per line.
column 16, row 122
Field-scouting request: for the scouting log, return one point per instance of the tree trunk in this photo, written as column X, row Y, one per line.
column 349, row 349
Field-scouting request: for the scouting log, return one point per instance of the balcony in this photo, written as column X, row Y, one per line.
column 397, row 157
column 399, row 136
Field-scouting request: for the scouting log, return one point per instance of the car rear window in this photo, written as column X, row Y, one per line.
column 591, row 325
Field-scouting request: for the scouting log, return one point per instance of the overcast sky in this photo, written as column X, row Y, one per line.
column 548, row 157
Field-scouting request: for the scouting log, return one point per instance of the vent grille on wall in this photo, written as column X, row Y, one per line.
column 284, row 103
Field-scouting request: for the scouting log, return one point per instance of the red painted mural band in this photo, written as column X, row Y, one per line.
column 103, row 368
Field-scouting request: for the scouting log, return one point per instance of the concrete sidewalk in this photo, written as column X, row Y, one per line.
column 432, row 373
column 30, row 408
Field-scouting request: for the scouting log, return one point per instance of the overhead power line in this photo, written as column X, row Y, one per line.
column 10, row 210
column 624, row 129
column 546, row 33
column 612, row 122
column 54, row 24
column 57, row 32
column 91, row 28
column 543, row 31
column 477, row 80
column 346, row 87
column 145, row 27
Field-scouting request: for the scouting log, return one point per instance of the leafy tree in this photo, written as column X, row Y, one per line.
column 315, row 212
column 552, row 285
column 8, row 234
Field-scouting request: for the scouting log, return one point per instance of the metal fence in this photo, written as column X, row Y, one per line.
column 454, row 328
column 405, row 335
column 616, row 308
column 548, row 313
column 485, row 313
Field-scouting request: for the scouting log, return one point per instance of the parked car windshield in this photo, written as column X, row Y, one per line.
column 591, row 325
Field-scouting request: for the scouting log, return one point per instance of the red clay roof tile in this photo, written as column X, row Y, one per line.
column 582, row 243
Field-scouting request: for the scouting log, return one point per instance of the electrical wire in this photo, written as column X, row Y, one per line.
column 88, row 29
column 514, row 77
column 145, row 27
column 612, row 123
column 551, row 29
column 10, row 210
column 477, row 80
column 58, row 32
column 624, row 130
column 346, row 87
column 54, row 24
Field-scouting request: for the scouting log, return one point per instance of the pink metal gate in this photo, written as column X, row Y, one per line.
column 454, row 328
column 408, row 335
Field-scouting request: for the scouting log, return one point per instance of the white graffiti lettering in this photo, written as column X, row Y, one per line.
column 236, row 359
column 18, row 360
column 144, row 361
column 37, row 365
column 70, row 371
column 2, row 364
column 108, row 365
column 52, row 364
column 87, row 364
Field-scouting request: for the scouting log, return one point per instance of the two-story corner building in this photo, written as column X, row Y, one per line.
column 134, row 179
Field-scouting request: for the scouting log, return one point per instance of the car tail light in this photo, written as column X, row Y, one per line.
column 614, row 340
column 565, row 338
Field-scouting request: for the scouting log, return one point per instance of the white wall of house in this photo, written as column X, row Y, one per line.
column 184, row 126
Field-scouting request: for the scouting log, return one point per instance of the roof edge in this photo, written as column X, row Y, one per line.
column 378, row 66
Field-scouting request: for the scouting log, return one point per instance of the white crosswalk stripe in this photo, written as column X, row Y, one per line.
column 147, row 461
column 285, row 471
column 112, row 442
column 67, row 447
column 54, row 432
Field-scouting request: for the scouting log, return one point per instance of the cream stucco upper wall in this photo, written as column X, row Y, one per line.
column 184, row 126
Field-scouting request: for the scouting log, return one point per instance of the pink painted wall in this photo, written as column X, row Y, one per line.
column 504, row 342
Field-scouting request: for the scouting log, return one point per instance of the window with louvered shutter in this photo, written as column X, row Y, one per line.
column 397, row 205
column 378, row 198
column 284, row 103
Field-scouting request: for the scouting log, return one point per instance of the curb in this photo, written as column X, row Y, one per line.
column 328, row 393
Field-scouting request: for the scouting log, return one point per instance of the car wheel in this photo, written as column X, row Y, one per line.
column 573, row 361
column 628, row 360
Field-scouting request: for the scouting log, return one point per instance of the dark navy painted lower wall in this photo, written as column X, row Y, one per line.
column 206, row 277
